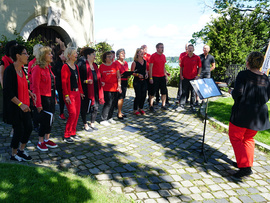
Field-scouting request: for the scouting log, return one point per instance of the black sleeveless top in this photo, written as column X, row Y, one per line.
column 141, row 69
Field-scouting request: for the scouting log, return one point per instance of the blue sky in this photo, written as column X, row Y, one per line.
column 130, row 24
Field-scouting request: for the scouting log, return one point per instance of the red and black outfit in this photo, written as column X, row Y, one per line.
column 71, row 84
column 16, row 86
column 43, row 84
column 93, row 92
column 109, row 77
column 124, row 81
column 140, row 85
column 189, row 66
column 249, row 114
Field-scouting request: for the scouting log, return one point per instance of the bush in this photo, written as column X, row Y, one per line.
column 100, row 48
column 173, row 80
column 28, row 44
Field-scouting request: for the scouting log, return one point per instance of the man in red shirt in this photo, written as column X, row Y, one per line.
column 157, row 76
column 179, row 92
column 190, row 69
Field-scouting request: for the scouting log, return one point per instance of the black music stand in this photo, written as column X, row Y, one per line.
column 205, row 88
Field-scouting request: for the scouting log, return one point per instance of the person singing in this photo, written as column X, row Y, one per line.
column 72, row 91
column 249, row 112
column 139, row 82
column 16, row 103
column 43, row 84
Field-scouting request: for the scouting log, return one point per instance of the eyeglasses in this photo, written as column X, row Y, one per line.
column 25, row 54
column 109, row 56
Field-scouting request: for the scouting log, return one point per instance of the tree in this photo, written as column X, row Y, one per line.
column 235, row 33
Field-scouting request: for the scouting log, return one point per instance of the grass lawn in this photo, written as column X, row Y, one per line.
column 20, row 183
column 220, row 109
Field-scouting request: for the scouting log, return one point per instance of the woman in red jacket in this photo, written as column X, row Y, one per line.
column 43, row 84
column 72, row 92
column 111, row 79
column 92, row 87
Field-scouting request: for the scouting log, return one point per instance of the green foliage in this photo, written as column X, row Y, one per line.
column 28, row 44
column 100, row 48
column 173, row 80
column 234, row 34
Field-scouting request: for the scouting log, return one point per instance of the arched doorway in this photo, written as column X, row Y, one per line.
column 48, row 36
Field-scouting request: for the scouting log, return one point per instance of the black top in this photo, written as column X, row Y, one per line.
column 141, row 69
column 10, row 90
column 57, row 72
column 73, row 78
column 250, row 94
column 206, row 62
column 95, row 81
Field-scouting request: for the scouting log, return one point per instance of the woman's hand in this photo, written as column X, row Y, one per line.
column 67, row 99
column 39, row 109
column 82, row 96
column 140, row 76
column 33, row 96
column 119, row 89
column 103, row 84
column 230, row 91
column 146, row 75
column 25, row 108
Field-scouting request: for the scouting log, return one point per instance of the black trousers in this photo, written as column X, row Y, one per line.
column 45, row 118
column 22, row 125
column 84, row 108
column 140, row 88
column 111, row 99
column 179, row 92
column 94, row 110
column 186, row 89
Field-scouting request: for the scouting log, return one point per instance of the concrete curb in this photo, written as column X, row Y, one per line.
column 226, row 127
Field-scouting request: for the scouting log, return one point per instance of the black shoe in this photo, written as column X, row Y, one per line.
column 75, row 137
column 164, row 108
column 177, row 102
column 123, row 115
column 156, row 103
column 234, row 164
column 242, row 172
column 68, row 140
column 16, row 158
column 121, row 118
column 23, row 154
column 152, row 109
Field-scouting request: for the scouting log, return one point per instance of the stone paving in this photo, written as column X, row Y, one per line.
column 154, row 158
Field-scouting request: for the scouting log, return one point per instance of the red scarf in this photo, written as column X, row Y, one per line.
column 7, row 61
column 90, row 87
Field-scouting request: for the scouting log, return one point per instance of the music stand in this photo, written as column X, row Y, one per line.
column 205, row 88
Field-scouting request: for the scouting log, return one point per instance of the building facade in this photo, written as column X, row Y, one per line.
column 70, row 20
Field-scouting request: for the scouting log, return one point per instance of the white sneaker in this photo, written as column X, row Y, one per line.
column 105, row 123
column 112, row 121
